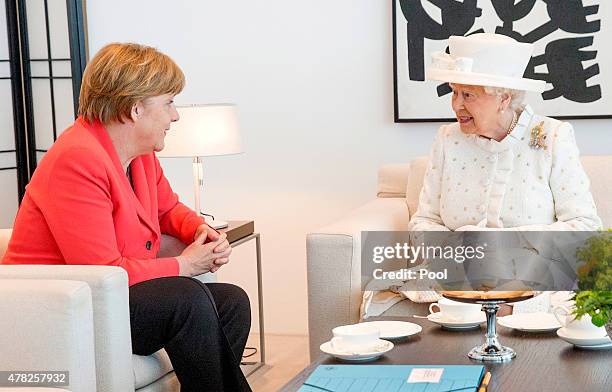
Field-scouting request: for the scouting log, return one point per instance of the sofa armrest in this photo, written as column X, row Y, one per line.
column 47, row 325
column 111, row 317
column 334, row 265
column 392, row 180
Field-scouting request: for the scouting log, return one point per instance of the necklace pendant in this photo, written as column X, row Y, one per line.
column 538, row 137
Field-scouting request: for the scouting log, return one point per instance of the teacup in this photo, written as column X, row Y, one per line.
column 355, row 338
column 456, row 311
column 583, row 327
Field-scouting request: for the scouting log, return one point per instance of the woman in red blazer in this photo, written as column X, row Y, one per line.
column 99, row 196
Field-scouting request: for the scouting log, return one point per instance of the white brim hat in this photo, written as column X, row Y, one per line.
column 485, row 59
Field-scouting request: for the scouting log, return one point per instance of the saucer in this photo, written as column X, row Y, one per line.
column 393, row 330
column 605, row 346
column 530, row 322
column 382, row 347
column 583, row 342
column 445, row 322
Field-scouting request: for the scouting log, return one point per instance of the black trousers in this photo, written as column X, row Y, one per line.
column 203, row 327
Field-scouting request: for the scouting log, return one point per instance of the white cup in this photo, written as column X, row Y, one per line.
column 456, row 311
column 583, row 327
column 355, row 338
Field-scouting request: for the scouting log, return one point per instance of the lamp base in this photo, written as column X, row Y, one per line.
column 217, row 224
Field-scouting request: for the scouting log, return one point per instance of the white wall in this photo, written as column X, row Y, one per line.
column 313, row 83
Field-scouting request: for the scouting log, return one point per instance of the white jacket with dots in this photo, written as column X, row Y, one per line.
column 477, row 183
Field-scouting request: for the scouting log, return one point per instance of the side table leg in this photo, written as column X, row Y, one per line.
column 262, row 337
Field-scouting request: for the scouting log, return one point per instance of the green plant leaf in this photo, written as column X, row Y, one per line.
column 599, row 320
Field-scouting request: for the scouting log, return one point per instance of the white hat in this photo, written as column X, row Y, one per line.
column 485, row 59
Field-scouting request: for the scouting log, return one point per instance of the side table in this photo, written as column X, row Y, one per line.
column 238, row 233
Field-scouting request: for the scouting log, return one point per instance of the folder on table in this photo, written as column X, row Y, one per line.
column 379, row 378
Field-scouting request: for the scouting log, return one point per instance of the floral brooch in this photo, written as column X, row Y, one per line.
column 538, row 137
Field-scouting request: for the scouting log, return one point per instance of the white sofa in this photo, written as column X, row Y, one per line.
column 76, row 318
column 333, row 251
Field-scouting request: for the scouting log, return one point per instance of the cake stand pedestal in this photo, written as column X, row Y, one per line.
column 491, row 350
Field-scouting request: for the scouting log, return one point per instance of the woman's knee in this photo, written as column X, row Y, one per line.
column 190, row 298
column 241, row 297
column 204, row 301
column 198, row 295
column 227, row 293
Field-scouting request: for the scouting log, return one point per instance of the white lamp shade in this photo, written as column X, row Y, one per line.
column 203, row 130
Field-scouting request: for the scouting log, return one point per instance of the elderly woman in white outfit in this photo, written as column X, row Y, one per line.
column 500, row 165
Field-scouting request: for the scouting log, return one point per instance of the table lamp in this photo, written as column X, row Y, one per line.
column 202, row 131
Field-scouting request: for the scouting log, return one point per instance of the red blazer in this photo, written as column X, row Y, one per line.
column 79, row 208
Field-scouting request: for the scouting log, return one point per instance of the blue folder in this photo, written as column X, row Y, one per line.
column 391, row 378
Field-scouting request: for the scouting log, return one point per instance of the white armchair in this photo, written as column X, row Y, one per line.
column 76, row 318
column 334, row 251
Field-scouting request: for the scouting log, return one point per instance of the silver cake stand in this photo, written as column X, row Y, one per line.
column 491, row 350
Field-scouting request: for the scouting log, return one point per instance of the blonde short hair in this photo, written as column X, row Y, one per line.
column 516, row 96
column 122, row 74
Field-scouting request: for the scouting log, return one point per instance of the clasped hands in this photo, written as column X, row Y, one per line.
column 207, row 253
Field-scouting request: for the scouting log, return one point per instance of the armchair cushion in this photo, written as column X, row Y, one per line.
column 148, row 369
column 168, row 383
column 38, row 316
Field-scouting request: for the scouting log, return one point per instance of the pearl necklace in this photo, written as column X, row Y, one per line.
column 512, row 124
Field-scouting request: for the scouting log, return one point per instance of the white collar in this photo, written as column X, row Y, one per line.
column 492, row 145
